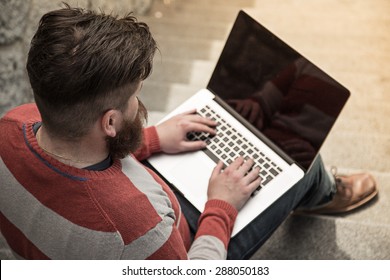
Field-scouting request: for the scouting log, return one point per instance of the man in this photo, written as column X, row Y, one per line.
column 72, row 184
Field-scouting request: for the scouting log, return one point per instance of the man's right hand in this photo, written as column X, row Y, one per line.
column 235, row 183
column 173, row 132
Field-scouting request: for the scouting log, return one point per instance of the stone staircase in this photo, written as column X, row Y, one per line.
column 191, row 35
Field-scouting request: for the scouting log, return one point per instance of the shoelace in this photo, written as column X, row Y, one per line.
column 337, row 179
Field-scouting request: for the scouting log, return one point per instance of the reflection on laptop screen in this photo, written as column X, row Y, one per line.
column 277, row 90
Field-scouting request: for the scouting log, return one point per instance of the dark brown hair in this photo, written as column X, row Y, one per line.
column 82, row 64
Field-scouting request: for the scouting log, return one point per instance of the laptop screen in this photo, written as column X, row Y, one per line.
column 279, row 92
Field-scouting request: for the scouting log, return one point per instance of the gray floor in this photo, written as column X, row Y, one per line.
column 348, row 39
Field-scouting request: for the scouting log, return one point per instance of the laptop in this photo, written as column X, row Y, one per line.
column 271, row 104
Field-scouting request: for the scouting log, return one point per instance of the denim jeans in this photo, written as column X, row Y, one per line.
column 315, row 188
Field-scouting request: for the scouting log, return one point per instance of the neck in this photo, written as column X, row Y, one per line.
column 81, row 153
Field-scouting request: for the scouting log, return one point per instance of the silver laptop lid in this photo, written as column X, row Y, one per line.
column 280, row 93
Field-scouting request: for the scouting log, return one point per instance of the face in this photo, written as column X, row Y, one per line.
column 133, row 104
column 129, row 138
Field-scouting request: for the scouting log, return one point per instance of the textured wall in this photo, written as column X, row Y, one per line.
column 18, row 22
column 14, row 87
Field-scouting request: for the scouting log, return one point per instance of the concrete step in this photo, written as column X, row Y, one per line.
column 186, row 29
column 219, row 3
column 324, row 238
column 199, row 11
column 195, row 72
column 171, row 46
column 364, row 154
column 165, row 97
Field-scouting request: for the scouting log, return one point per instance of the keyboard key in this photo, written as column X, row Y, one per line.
column 274, row 172
column 267, row 180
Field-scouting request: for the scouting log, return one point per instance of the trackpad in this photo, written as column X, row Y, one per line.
column 193, row 181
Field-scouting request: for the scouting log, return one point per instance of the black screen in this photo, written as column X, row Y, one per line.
column 279, row 92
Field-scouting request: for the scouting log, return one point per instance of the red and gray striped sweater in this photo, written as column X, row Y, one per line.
column 50, row 210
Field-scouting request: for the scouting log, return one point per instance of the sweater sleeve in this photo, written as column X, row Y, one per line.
column 214, row 231
column 150, row 144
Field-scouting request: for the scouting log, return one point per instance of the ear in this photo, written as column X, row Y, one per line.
column 110, row 123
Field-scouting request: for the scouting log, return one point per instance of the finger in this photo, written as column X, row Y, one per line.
column 254, row 114
column 254, row 186
column 188, row 146
column 189, row 112
column 217, row 169
column 239, row 107
column 199, row 119
column 246, row 166
column 246, row 110
column 232, row 102
column 252, row 175
column 200, row 128
column 236, row 163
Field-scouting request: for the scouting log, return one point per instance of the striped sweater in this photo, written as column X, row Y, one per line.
column 50, row 210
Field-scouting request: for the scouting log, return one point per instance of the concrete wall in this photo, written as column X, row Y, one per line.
column 18, row 23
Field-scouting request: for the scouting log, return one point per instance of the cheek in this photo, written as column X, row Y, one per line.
column 133, row 109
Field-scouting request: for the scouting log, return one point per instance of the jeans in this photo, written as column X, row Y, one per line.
column 315, row 188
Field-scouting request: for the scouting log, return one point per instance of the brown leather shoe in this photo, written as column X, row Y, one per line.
column 352, row 192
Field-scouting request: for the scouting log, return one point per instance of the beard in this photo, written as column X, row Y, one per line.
column 129, row 138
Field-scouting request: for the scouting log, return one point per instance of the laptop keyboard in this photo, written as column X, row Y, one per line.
column 228, row 144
